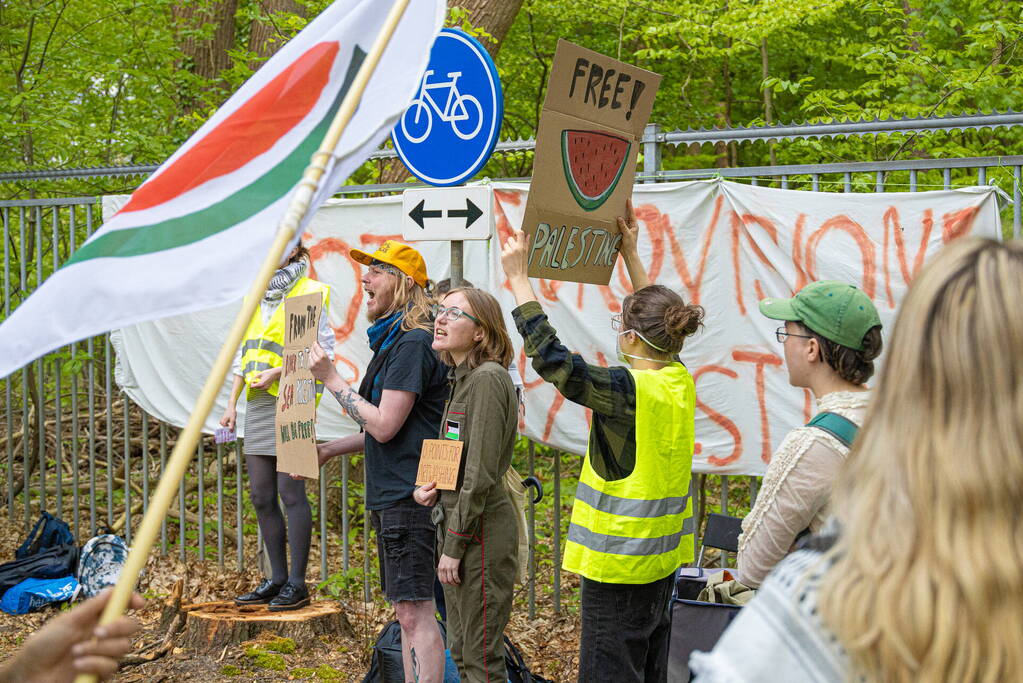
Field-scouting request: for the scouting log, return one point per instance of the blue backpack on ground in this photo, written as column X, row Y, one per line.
column 100, row 563
column 31, row 594
column 48, row 532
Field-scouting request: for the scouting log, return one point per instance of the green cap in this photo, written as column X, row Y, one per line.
column 835, row 310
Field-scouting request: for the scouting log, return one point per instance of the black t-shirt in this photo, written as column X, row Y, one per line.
column 410, row 365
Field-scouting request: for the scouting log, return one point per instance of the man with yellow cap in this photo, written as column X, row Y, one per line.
column 398, row 404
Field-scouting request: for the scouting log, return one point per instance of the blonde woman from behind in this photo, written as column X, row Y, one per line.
column 922, row 579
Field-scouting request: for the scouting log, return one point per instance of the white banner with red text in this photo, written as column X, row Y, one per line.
column 720, row 244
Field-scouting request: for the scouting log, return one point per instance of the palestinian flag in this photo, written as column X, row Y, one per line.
column 194, row 234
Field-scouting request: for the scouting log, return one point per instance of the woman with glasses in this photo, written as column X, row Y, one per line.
column 830, row 339
column 477, row 531
column 632, row 524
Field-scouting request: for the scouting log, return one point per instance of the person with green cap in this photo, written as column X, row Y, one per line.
column 831, row 336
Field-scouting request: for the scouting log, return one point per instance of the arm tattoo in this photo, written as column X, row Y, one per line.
column 350, row 402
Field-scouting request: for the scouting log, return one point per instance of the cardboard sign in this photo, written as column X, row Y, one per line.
column 586, row 146
column 295, row 424
column 439, row 462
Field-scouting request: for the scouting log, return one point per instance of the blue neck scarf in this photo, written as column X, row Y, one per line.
column 384, row 331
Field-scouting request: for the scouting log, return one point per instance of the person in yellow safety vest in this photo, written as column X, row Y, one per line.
column 632, row 521
column 258, row 366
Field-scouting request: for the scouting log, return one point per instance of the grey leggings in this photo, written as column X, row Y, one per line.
column 265, row 484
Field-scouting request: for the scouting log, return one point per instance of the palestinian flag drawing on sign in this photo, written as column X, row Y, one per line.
column 193, row 235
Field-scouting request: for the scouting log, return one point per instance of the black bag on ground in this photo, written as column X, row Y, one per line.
column 517, row 671
column 51, row 563
column 386, row 665
column 48, row 532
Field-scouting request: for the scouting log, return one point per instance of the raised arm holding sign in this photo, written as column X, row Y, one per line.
column 586, row 146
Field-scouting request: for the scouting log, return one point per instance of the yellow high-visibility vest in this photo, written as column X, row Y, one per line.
column 640, row 529
column 263, row 345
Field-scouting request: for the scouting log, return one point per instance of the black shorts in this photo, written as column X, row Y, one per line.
column 406, row 541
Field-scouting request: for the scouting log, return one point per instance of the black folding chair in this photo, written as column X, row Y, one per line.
column 722, row 532
column 697, row 625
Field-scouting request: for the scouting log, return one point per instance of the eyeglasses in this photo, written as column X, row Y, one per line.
column 616, row 322
column 379, row 267
column 780, row 334
column 452, row 313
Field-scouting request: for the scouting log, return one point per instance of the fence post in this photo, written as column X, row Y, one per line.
column 531, row 524
column 651, row 151
column 557, row 532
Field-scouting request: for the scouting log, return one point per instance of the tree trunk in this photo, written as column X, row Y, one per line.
column 493, row 16
column 264, row 36
column 768, row 103
column 204, row 56
column 211, row 626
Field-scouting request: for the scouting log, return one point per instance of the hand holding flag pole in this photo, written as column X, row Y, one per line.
column 185, row 447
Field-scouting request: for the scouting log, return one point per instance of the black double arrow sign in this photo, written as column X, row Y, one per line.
column 470, row 213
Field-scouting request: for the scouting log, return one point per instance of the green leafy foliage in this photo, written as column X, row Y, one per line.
column 822, row 61
column 88, row 86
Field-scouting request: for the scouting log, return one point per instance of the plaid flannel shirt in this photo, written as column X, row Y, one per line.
column 610, row 392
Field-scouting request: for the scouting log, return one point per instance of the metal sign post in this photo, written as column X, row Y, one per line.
column 456, row 263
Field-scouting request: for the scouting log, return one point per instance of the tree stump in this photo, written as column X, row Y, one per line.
column 212, row 625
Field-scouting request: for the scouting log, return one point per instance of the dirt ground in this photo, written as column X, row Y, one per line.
column 549, row 643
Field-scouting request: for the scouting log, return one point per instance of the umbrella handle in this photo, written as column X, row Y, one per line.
column 533, row 482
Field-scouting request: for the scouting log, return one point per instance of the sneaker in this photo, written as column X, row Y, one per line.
column 292, row 596
column 266, row 592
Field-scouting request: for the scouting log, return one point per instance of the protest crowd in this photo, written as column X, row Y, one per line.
column 852, row 544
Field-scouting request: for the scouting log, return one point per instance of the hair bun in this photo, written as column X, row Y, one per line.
column 681, row 321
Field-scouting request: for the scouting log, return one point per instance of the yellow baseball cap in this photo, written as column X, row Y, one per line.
column 401, row 256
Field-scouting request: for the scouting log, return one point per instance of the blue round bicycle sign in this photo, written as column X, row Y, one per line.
column 449, row 130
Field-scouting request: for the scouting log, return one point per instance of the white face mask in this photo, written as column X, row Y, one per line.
column 622, row 356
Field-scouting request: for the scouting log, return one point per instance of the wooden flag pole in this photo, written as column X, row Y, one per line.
column 185, row 447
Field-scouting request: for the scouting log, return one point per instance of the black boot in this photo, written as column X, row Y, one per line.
column 292, row 596
column 266, row 592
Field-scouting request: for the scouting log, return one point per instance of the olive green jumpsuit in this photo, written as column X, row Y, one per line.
column 480, row 524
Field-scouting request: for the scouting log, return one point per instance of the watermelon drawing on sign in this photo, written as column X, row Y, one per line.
column 593, row 164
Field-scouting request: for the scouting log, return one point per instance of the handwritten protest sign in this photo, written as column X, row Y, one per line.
column 586, row 146
column 295, row 424
column 439, row 462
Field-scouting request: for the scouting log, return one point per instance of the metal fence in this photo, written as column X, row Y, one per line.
column 74, row 444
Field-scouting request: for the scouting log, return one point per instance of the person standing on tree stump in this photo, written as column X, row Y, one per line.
column 477, row 528
column 259, row 364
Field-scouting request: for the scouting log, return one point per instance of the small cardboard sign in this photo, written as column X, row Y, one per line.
column 585, row 164
column 295, row 423
column 440, row 461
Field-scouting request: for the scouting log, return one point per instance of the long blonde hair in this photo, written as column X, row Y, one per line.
column 414, row 300
column 927, row 580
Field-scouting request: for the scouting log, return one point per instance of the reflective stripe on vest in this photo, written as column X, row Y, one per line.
column 263, row 344
column 640, row 529
column 626, row 545
column 266, row 344
column 630, row 507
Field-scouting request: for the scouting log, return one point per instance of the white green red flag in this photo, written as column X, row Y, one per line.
column 194, row 234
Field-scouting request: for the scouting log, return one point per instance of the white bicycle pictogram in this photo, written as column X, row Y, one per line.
column 455, row 110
